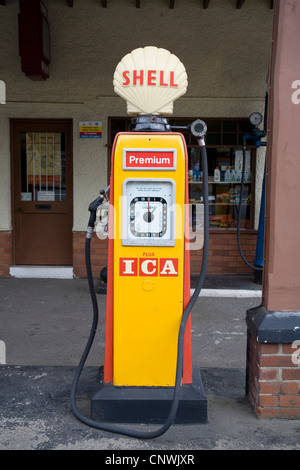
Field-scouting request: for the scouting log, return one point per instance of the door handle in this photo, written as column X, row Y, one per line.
column 20, row 209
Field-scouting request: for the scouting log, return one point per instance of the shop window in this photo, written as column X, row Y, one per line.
column 224, row 142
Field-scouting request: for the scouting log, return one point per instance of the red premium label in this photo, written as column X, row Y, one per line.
column 140, row 159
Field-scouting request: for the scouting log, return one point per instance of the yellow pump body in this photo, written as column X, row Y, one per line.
column 148, row 286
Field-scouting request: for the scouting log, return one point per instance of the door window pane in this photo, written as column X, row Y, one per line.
column 43, row 166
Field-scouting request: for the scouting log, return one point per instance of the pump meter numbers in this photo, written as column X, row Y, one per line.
column 148, row 216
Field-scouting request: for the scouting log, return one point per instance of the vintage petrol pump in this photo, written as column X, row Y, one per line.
column 148, row 375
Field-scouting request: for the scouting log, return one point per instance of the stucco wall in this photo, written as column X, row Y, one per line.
column 225, row 52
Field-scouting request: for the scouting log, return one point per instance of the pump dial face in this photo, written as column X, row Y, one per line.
column 255, row 119
column 149, row 217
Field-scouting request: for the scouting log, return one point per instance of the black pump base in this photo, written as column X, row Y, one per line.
column 149, row 405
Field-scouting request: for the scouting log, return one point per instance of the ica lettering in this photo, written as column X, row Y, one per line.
column 162, row 267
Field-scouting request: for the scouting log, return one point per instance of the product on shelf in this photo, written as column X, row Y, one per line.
column 217, row 174
column 196, row 172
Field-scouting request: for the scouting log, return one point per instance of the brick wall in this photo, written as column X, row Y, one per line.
column 273, row 380
column 224, row 256
column 5, row 253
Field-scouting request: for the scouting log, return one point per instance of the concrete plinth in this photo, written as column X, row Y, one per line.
column 149, row 404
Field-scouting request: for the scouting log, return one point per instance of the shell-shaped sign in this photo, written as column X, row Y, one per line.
column 150, row 79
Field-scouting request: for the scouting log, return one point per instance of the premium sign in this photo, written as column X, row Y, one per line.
column 149, row 159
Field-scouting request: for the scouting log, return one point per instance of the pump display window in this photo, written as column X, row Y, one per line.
column 224, row 141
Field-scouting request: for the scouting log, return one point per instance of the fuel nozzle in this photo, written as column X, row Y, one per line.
column 93, row 210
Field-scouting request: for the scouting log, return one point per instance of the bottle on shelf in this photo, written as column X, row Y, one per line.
column 227, row 174
column 248, row 176
column 238, row 177
column 217, row 174
column 196, row 172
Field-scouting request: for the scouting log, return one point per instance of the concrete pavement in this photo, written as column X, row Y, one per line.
column 45, row 324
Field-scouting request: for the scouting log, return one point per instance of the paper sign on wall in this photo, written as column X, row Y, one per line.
column 90, row 129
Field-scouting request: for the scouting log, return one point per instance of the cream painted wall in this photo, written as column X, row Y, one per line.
column 225, row 52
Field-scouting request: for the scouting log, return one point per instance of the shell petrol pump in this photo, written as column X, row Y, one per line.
column 148, row 375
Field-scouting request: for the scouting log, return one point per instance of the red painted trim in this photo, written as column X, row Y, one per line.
column 187, row 345
column 108, row 356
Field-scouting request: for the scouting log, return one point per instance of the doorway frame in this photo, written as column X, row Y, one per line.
column 36, row 122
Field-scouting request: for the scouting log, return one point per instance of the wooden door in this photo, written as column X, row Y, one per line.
column 42, row 196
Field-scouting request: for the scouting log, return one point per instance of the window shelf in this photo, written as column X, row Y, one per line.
column 223, row 183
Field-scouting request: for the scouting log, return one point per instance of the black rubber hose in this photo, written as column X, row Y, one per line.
column 256, row 268
column 185, row 316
